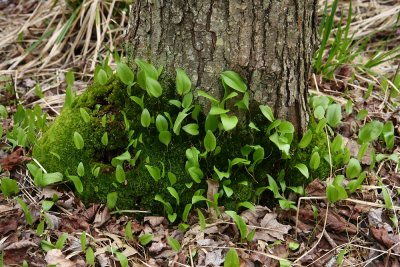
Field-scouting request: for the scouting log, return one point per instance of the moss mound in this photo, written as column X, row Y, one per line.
column 111, row 110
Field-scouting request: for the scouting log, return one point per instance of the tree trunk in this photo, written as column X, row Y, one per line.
column 269, row 43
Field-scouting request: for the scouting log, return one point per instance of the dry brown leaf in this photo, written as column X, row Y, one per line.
column 16, row 158
column 316, row 189
column 214, row 258
column 21, row 244
column 56, row 257
column 154, row 220
column 273, row 229
column 156, row 247
column 101, row 217
column 388, row 240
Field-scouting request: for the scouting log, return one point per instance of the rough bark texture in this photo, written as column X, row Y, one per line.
column 269, row 42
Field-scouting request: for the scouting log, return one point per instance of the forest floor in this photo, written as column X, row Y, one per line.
column 40, row 41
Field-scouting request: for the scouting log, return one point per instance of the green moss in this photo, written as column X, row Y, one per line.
column 56, row 151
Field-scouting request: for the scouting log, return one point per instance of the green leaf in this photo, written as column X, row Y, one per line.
column 145, row 239
column 90, row 257
column 77, row 183
column 267, row 112
column 229, row 122
column 96, row 171
column 9, row 187
column 387, row 198
column 283, row 146
column 362, row 114
column 186, row 211
column 161, row 123
column 244, row 103
column 233, row 80
column 101, row 77
column 241, row 225
column 191, row 128
column 253, row 126
column 78, row 140
column 286, row 127
column 334, row 114
column 284, row 263
column 178, row 122
column 38, row 91
column 25, row 209
column 125, row 73
column 104, row 139
column 353, row 185
column 167, row 205
column 112, row 199
column 128, row 231
column 221, row 175
column 3, row 112
column 388, row 134
column 205, row 95
column 315, row 160
column 232, row 259
column 303, row 169
column 164, row 137
column 120, row 174
column 247, row 205
column 145, row 118
column 353, row 168
column 306, row 139
column 187, row 100
column 217, row 110
column 319, row 113
column 82, row 239
column 122, row 259
column 174, row 193
column 210, row 142
column 202, row 220
column 183, row 83
column 175, row 103
column 211, row 123
column 337, row 143
column 148, row 69
column 174, row 244
column 370, row 131
column 47, row 205
column 70, row 78
column 50, row 178
column 81, row 169
column 138, row 101
column 153, row 87
column 293, row 245
column 228, row 191
column 154, row 172
column 40, row 228
column 196, row 174
column 61, row 241
column 171, row 178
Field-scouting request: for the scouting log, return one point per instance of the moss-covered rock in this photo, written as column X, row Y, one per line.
column 112, row 110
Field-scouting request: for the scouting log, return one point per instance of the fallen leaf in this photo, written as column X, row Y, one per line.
column 154, row 220
column 21, row 244
column 214, row 258
column 14, row 159
column 273, row 230
column 316, row 189
column 390, row 241
column 56, row 257
column 101, row 217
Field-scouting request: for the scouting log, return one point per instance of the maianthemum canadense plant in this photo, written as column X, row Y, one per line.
column 140, row 140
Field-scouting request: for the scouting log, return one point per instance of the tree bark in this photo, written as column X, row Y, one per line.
column 269, row 43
